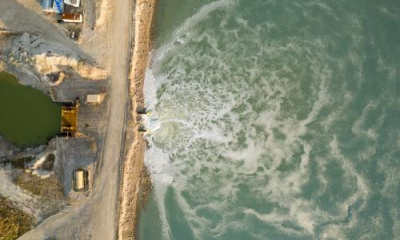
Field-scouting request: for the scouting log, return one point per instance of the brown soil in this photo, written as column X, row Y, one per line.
column 48, row 191
column 46, row 188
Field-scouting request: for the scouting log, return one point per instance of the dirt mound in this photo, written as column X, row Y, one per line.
column 50, row 57
column 104, row 16
column 49, row 64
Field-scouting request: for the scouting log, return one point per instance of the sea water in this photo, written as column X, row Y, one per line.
column 274, row 119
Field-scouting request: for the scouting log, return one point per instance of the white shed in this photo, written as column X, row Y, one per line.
column 79, row 179
column 94, row 98
column 74, row 3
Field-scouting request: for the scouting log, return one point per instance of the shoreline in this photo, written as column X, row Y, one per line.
column 133, row 165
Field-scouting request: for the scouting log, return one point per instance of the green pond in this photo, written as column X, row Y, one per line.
column 28, row 117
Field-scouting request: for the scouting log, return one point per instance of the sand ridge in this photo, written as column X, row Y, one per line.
column 133, row 166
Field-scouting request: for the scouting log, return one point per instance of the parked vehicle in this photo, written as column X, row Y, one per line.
column 80, row 180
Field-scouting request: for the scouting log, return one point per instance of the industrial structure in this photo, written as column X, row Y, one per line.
column 53, row 6
column 94, row 98
column 69, row 119
column 72, row 17
column 47, row 5
column 74, row 3
column 58, row 6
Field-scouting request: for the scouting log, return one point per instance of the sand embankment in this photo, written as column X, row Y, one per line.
column 133, row 164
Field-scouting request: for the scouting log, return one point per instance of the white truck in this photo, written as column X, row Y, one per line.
column 80, row 180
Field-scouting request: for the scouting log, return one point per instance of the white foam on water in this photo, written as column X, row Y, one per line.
column 339, row 112
column 158, row 164
column 333, row 232
column 323, row 99
column 389, row 13
column 213, row 134
column 359, row 128
column 362, row 188
column 206, row 149
column 182, row 33
column 151, row 85
column 274, row 218
column 155, row 159
column 249, row 156
column 160, row 192
column 396, row 223
column 392, row 181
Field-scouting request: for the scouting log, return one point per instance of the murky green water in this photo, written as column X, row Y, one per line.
column 27, row 116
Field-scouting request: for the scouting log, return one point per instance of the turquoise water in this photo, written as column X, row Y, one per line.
column 274, row 120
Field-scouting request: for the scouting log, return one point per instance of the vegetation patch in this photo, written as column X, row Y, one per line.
column 46, row 188
column 21, row 163
column 13, row 222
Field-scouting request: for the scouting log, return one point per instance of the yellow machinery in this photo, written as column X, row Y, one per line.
column 69, row 120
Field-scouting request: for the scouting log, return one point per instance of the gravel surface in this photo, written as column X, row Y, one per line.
column 95, row 216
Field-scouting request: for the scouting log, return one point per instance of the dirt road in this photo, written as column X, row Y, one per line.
column 96, row 219
column 106, row 186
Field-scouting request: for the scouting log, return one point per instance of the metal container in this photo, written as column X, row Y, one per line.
column 47, row 4
column 58, row 6
column 80, row 180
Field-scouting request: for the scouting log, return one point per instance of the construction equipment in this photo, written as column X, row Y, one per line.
column 69, row 119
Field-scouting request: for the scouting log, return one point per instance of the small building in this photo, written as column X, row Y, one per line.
column 53, row 6
column 94, row 98
column 74, row 3
column 47, row 5
column 72, row 17
column 58, row 6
